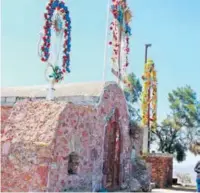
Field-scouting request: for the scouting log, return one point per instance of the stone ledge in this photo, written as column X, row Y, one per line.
column 160, row 155
column 6, row 104
column 10, row 101
column 3, row 99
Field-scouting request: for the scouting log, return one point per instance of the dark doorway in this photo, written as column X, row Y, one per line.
column 112, row 156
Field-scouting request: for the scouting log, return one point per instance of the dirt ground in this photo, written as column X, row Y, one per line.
column 172, row 191
column 176, row 190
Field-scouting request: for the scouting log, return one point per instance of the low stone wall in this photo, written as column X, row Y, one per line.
column 161, row 169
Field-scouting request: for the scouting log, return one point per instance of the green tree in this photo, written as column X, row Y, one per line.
column 180, row 130
column 132, row 95
column 169, row 138
column 185, row 107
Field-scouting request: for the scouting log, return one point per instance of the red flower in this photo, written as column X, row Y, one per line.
column 45, row 15
column 65, row 44
column 47, row 23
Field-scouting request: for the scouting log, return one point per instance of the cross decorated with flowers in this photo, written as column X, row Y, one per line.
column 121, row 31
column 57, row 23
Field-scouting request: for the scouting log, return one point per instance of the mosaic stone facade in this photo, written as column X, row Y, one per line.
column 5, row 112
column 161, row 169
column 40, row 135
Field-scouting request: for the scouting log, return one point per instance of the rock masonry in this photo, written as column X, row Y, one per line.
column 39, row 136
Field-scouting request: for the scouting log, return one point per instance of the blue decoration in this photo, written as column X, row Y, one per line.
column 128, row 29
column 68, row 70
column 51, row 7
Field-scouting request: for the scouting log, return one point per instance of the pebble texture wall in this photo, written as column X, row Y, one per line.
column 40, row 135
column 5, row 112
column 161, row 169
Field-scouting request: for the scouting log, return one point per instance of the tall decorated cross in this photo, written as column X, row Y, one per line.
column 121, row 32
column 149, row 102
column 55, row 43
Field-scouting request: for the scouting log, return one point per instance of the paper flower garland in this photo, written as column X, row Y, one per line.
column 149, row 99
column 120, row 25
column 58, row 25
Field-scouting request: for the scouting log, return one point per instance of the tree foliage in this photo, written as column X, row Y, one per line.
column 185, row 106
column 133, row 92
column 180, row 131
column 181, row 128
column 132, row 95
column 169, row 139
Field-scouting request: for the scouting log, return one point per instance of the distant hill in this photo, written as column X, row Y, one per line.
column 186, row 166
column 188, row 169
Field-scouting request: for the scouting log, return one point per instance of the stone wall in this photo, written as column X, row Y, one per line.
column 161, row 169
column 40, row 136
column 136, row 134
column 5, row 112
column 25, row 146
column 82, row 128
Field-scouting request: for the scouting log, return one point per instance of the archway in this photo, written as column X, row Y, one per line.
column 112, row 148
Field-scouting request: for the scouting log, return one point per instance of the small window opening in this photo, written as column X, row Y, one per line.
column 73, row 163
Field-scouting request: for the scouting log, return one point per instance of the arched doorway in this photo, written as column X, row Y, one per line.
column 112, row 147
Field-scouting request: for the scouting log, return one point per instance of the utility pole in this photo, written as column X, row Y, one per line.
column 146, row 52
column 149, row 96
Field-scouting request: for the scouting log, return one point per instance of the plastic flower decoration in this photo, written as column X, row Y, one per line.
column 61, row 23
column 149, row 95
column 120, row 32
